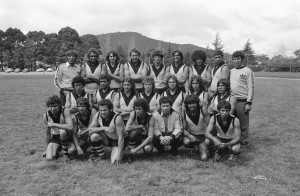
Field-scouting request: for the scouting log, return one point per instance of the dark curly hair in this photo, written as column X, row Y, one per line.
column 54, row 99
column 78, row 79
column 224, row 104
column 105, row 77
column 238, row 54
column 141, row 102
column 106, row 102
column 191, row 98
column 113, row 53
column 198, row 54
column 165, row 100
column 83, row 101
column 219, row 52
column 157, row 53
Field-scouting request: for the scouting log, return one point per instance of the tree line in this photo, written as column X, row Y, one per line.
column 18, row 50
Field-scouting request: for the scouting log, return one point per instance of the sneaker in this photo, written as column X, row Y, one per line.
column 232, row 157
column 92, row 157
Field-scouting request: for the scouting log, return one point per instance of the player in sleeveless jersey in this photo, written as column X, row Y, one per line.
column 175, row 93
column 158, row 71
column 78, row 84
column 104, row 92
column 197, row 87
column 81, row 121
column 123, row 100
column 149, row 94
column 200, row 67
column 228, row 131
column 223, row 93
column 220, row 71
column 91, row 71
column 195, row 121
column 58, row 129
column 115, row 70
column 106, row 129
column 140, row 128
column 180, row 70
column 136, row 69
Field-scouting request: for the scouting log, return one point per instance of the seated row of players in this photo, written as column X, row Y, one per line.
column 143, row 130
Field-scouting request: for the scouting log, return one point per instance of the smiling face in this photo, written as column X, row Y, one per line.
column 71, row 59
column 112, row 58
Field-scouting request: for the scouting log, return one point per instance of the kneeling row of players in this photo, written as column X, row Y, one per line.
column 78, row 132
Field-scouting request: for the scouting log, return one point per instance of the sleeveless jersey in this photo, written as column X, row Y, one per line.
column 225, row 131
column 74, row 97
column 177, row 99
column 193, row 72
column 197, row 125
column 179, row 74
column 159, row 76
column 201, row 95
column 115, row 71
column 152, row 99
column 127, row 65
column 216, row 76
column 126, row 102
column 50, row 118
column 83, row 124
column 145, row 123
column 91, row 87
column 218, row 99
column 111, row 123
column 107, row 95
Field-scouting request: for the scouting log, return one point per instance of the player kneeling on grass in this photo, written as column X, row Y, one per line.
column 106, row 129
column 228, row 131
column 140, row 128
column 58, row 129
column 195, row 120
column 81, row 122
column 167, row 127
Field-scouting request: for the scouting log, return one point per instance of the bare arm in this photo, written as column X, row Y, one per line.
column 131, row 125
column 237, row 133
column 57, row 78
column 212, row 109
column 225, row 73
column 233, row 102
column 120, row 131
column 185, row 75
column 150, row 135
column 209, row 130
column 156, row 107
column 119, row 77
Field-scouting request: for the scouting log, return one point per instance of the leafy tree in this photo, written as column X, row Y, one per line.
column 122, row 54
column 187, row 58
column 52, row 45
column 18, row 56
column 168, row 56
column 217, row 43
column 2, row 48
column 249, row 52
column 88, row 41
column 68, row 37
column 61, row 55
column 36, row 36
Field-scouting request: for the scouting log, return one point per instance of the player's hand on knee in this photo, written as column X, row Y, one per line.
column 79, row 151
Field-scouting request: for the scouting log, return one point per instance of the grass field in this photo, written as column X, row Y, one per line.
column 274, row 152
column 291, row 75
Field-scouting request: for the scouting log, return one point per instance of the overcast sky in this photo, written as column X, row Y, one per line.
column 271, row 25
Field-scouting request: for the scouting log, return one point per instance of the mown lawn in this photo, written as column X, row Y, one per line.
column 273, row 152
column 291, row 75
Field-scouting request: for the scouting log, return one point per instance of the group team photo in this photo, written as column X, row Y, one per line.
column 135, row 107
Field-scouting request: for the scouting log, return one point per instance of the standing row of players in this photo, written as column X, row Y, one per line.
column 165, row 83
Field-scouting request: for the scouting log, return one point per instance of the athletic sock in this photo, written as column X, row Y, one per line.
column 97, row 148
